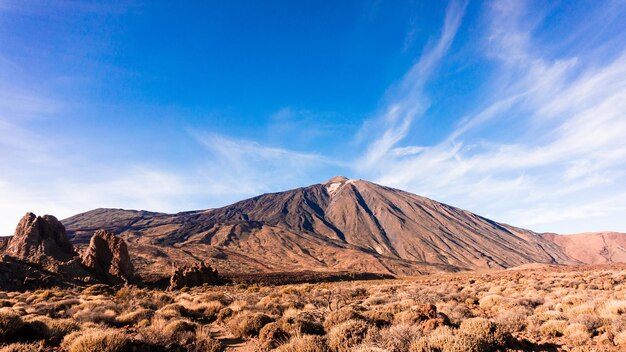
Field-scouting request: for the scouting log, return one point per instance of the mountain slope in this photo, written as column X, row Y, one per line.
column 338, row 225
column 592, row 247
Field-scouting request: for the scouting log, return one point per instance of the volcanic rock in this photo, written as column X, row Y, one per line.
column 195, row 275
column 40, row 240
column 107, row 256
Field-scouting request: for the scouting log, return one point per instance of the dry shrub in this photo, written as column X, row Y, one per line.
column 379, row 316
column 97, row 341
column 306, row 343
column 368, row 348
column 487, row 334
column 445, row 339
column 98, row 290
column 339, row 316
column 346, row 335
column 248, row 324
column 272, row 336
column 420, row 345
column 206, row 310
column 553, row 328
column 10, row 323
column 577, row 334
column 224, row 314
column 490, row 301
column 416, row 315
column 592, row 322
column 173, row 310
column 397, row 338
column 177, row 327
column 134, row 317
column 458, row 313
column 514, row 319
column 62, row 327
column 303, row 323
column 23, row 347
column 205, row 343
column 34, row 328
column 613, row 308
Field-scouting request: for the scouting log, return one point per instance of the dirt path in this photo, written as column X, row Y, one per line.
column 230, row 342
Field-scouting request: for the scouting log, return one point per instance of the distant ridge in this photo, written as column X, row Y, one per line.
column 592, row 247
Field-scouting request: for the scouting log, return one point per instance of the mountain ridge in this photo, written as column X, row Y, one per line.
column 340, row 224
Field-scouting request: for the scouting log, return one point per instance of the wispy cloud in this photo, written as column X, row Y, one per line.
column 407, row 101
column 250, row 167
column 576, row 117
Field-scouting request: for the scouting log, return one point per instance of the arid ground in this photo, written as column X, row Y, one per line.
column 534, row 308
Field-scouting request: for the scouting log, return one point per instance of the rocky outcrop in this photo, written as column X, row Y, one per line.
column 107, row 257
column 17, row 275
column 196, row 275
column 41, row 240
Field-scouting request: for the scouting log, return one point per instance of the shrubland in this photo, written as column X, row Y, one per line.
column 567, row 308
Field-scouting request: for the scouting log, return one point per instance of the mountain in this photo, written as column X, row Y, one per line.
column 340, row 224
column 592, row 247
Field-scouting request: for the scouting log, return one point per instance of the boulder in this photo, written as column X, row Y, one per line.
column 107, row 257
column 195, row 275
column 40, row 240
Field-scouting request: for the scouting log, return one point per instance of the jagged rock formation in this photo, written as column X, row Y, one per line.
column 41, row 240
column 339, row 225
column 107, row 256
column 195, row 275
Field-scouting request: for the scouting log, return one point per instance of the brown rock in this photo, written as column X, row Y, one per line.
column 40, row 240
column 195, row 275
column 107, row 256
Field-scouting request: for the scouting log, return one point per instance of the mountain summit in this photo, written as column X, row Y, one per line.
column 341, row 224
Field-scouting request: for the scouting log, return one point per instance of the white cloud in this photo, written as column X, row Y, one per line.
column 571, row 157
column 407, row 100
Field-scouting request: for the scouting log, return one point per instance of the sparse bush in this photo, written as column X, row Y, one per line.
column 248, row 324
column 490, row 301
column 99, row 341
column 487, row 334
column 553, row 328
column 204, row 342
column 272, row 336
column 134, row 317
column 23, row 347
column 347, row 334
column 224, row 314
column 577, row 334
column 306, row 343
column 340, row 316
column 397, row 338
column 302, row 323
column 178, row 326
column 10, row 323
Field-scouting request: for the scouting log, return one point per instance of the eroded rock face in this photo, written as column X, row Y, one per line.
column 40, row 239
column 107, row 256
column 196, row 275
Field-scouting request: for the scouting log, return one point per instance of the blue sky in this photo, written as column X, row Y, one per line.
column 514, row 110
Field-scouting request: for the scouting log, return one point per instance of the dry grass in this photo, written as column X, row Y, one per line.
column 581, row 309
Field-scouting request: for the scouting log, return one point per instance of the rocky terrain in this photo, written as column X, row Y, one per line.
column 338, row 225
